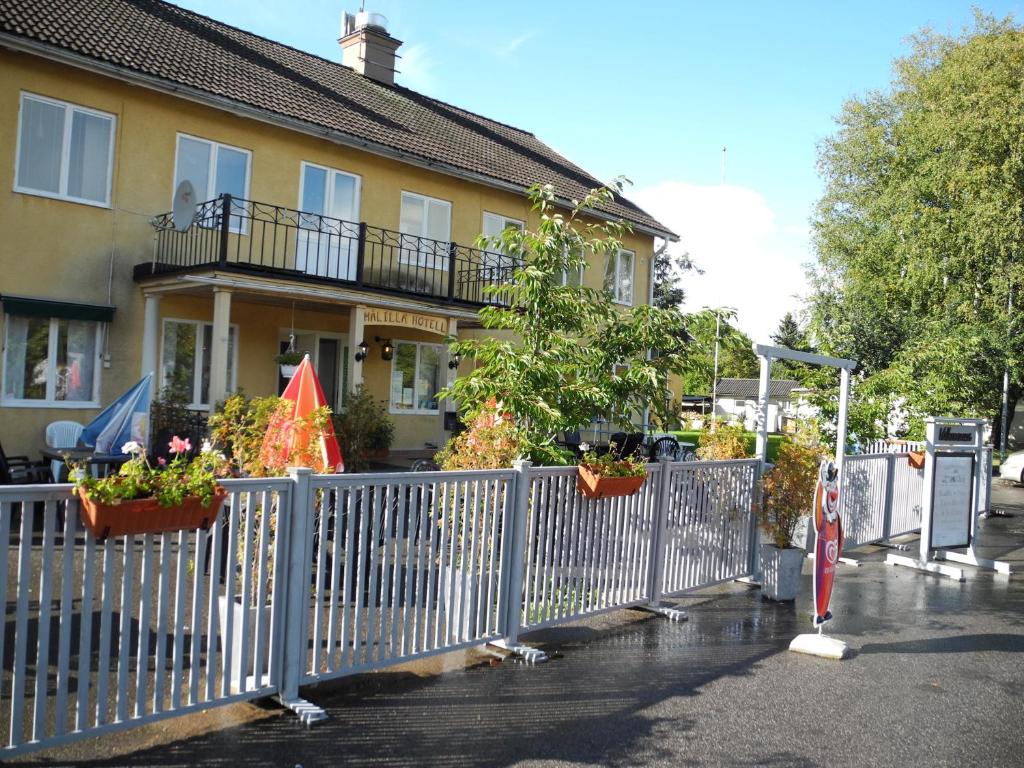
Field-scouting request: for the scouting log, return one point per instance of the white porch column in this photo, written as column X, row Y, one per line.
column 450, row 375
column 219, row 345
column 356, row 335
column 844, row 402
column 150, row 334
column 761, row 447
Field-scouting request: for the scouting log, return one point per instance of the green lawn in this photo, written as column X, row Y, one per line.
column 694, row 436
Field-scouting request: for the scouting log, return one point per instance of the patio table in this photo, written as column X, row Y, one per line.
column 99, row 463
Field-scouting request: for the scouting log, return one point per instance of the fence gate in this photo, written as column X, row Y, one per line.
column 108, row 635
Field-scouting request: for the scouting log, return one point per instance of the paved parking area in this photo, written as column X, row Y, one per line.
column 936, row 679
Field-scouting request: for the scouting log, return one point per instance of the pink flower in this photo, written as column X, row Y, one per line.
column 177, row 445
column 161, row 461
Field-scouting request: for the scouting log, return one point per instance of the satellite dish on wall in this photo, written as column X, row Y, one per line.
column 184, row 206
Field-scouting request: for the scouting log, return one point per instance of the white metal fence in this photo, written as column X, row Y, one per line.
column 306, row 578
column 100, row 636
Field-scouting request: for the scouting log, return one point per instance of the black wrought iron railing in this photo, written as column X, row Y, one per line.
column 234, row 233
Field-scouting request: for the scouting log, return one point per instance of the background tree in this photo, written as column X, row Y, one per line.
column 571, row 353
column 736, row 357
column 790, row 335
column 919, row 233
column 669, row 269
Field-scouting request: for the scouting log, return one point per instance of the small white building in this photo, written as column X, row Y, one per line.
column 787, row 402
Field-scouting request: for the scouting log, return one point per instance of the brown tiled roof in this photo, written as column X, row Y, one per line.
column 176, row 46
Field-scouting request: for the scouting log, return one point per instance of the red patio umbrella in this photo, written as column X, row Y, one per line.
column 287, row 434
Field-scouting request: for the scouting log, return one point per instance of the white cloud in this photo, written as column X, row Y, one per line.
column 417, row 69
column 511, row 46
column 749, row 261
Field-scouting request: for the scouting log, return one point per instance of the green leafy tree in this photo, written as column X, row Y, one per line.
column 919, row 234
column 736, row 357
column 570, row 353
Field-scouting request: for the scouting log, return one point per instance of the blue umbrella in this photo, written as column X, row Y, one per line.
column 127, row 418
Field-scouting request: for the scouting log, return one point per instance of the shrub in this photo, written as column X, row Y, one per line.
column 788, row 490
column 492, row 441
column 728, row 441
column 363, row 428
column 239, row 426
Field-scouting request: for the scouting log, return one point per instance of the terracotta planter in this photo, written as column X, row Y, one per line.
column 594, row 487
column 377, row 454
column 916, row 459
column 147, row 516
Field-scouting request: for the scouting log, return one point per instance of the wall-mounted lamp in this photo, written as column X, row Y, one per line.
column 363, row 348
column 454, row 362
column 387, row 349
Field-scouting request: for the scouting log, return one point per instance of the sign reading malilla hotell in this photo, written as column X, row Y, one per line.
column 414, row 320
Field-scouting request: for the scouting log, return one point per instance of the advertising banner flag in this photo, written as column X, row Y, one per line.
column 829, row 545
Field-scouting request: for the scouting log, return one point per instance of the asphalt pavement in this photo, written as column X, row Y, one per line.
column 935, row 679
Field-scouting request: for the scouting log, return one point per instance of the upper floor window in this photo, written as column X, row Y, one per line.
column 618, row 276
column 214, row 169
column 328, row 234
column 64, row 151
column 426, row 228
column 51, row 361
column 495, row 224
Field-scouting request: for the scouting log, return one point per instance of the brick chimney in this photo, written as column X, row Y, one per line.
column 367, row 47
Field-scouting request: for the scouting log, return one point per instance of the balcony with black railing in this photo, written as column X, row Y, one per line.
column 233, row 234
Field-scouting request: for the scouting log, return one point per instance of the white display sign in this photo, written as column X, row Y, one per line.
column 952, row 496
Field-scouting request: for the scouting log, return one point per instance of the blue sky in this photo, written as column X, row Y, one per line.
column 653, row 91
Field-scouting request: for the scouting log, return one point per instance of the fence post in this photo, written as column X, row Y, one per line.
column 513, row 548
column 756, row 499
column 656, row 572
column 298, row 549
column 890, row 492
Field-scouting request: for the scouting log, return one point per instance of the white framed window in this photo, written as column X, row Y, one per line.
column 426, row 229
column 185, row 359
column 618, row 275
column 415, row 377
column 64, row 151
column 214, row 169
column 327, row 242
column 496, row 223
column 51, row 361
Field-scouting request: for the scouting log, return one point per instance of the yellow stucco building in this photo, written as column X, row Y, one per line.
column 331, row 206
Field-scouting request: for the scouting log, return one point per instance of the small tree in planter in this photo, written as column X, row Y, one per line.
column 364, row 430
column 573, row 353
column 788, row 495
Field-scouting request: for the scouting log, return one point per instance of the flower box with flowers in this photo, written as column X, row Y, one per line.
column 175, row 495
column 603, row 477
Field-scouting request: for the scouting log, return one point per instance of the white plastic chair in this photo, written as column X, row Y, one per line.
column 62, row 434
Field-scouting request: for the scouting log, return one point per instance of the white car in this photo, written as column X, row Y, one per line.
column 1013, row 467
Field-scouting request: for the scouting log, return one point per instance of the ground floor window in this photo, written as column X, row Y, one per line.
column 415, row 377
column 185, row 362
column 50, row 360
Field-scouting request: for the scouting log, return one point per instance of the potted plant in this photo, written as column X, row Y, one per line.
column 602, row 477
column 787, row 496
column 364, row 430
column 174, row 495
column 288, row 361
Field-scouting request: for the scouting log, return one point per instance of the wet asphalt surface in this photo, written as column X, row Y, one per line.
column 935, row 679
